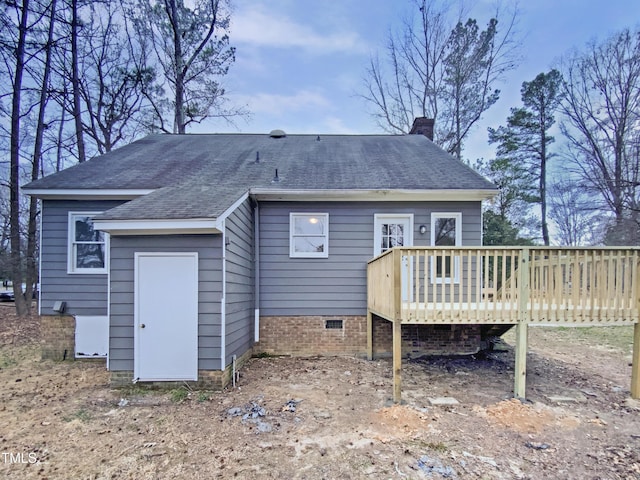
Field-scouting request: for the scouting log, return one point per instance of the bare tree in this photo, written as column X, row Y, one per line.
column 75, row 81
column 577, row 222
column 602, row 109
column 114, row 77
column 22, row 12
column 30, row 48
column 191, row 46
column 415, row 58
column 443, row 67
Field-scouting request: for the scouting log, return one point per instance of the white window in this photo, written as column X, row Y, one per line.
column 309, row 235
column 446, row 231
column 88, row 248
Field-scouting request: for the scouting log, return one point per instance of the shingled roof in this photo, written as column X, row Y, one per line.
column 201, row 175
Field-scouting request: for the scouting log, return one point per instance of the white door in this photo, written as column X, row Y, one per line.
column 166, row 316
column 395, row 230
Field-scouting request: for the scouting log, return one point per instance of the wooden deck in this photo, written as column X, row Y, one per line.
column 497, row 285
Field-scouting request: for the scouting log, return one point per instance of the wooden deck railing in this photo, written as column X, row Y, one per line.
column 491, row 285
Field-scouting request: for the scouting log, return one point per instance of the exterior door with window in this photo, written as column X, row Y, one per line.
column 395, row 230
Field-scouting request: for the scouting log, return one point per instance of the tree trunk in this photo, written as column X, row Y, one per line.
column 178, row 60
column 16, row 251
column 32, row 238
column 75, row 81
column 543, row 173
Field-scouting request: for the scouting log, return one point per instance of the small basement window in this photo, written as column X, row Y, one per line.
column 333, row 324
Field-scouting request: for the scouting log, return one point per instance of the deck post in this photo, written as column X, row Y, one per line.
column 635, row 369
column 520, row 370
column 369, row 335
column 397, row 326
column 397, row 361
column 522, row 328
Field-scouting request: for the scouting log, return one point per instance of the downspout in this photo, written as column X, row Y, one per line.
column 223, row 319
column 39, row 282
column 108, row 254
column 256, row 269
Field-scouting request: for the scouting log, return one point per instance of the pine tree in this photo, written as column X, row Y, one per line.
column 525, row 139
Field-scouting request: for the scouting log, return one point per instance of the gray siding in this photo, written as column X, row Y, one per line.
column 209, row 248
column 337, row 285
column 84, row 294
column 239, row 298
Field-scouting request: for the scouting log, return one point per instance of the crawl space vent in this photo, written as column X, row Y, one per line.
column 333, row 324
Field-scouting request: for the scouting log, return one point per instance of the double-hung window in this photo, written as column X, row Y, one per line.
column 446, row 231
column 88, row 248
column 309, row 235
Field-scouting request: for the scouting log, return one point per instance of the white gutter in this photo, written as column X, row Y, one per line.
column 373, row 195
column 87, row 194
column 158, row 226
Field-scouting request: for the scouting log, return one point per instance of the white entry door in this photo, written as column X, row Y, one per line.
column 395, row 230
column 166, row 316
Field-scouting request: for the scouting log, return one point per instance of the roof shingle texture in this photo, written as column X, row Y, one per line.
column 201, row 175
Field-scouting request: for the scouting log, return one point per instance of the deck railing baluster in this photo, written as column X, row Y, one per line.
column 485, row 285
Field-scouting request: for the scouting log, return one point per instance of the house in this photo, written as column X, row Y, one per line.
column 177, row 256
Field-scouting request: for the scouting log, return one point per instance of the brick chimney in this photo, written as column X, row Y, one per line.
column 423, row 126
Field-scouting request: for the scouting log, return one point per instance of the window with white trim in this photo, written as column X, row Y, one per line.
column 88, row 248
column 309, row 235
column 446, row 231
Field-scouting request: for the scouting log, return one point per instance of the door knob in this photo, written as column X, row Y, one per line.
column 142, row 325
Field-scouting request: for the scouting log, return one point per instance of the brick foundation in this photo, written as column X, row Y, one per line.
column 207, row 379
column 58, row 333
column 418, row 340
column 308, row 336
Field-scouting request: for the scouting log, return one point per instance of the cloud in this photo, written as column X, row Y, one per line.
column 258, row 28
column 277, row 104
column 337, row 125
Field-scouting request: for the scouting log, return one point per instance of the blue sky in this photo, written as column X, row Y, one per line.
column 299, row 64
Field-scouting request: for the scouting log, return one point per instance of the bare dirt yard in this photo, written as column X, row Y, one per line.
column 328, row 418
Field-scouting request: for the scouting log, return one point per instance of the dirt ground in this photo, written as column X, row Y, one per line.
column 328, row 418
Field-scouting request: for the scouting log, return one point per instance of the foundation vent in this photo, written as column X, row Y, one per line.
column 333, row 324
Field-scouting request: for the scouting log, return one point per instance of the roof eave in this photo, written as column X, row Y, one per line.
column 87, row 194
column 391, row 195
column 159, row 226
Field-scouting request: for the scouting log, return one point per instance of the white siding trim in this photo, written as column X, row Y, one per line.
column 232, row 208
